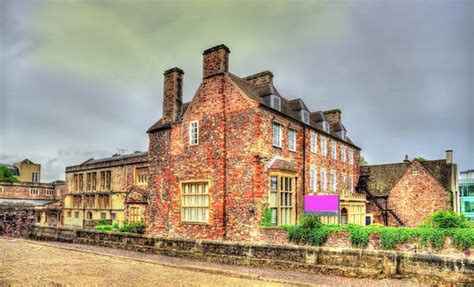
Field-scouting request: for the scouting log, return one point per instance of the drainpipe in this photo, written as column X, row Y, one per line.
column 303, row 185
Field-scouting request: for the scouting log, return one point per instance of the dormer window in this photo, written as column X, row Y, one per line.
column 326, row 126
column 275, row 102
column 305, row 116
column 343, row 134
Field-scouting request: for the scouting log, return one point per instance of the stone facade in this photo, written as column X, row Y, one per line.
column 31, row 190
column 222, row 141
column 16, row 221
column 98, row 188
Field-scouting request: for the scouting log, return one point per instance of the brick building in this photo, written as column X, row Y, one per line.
column 238, row 148
column 44, row 199
column 404, row 194
column 112, row 189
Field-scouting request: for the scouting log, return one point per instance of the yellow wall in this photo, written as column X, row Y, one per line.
column 26, row 170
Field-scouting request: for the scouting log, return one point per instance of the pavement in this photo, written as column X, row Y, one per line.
column 38, row 263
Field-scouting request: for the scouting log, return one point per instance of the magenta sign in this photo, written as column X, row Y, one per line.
column 322, row 204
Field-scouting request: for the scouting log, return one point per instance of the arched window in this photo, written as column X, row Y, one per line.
column 344, row 216
column 89, row 215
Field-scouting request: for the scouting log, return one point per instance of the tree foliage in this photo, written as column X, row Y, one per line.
column 6, row 175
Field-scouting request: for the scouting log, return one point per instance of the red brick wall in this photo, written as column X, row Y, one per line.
column 19, row 190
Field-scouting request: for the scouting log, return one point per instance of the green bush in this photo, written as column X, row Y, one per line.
column 266, row 217
column 447, row 219
column 358, row 235
column 310, row 221
column 125, row 227
column 463, row 238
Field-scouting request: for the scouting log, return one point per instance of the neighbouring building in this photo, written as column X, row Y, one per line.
column 240, row 148
column 112, row 189
column 44, row 199
column 406, row 193
column 466, row 190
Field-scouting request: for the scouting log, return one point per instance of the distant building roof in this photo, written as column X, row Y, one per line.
column 382, row 178
column 113, row 160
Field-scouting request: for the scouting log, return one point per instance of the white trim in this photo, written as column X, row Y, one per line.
column 291, row 140
column 314, row 142
column 192, row 140
column 278, row 142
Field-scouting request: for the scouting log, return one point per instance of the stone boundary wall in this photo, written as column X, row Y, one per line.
column 16, row 221
column 435, row 270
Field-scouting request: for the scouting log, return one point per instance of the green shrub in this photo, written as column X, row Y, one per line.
column 447, row 219
column 310, row 221
column 266, row 217
column 463, row 238
column 104, row 227
column 125, row 227
column 358, row 235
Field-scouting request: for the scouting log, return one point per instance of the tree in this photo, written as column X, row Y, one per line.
column 6, row 175
column 363, row 161
column 420, row 159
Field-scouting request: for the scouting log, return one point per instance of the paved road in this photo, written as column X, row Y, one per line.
column 55, row 264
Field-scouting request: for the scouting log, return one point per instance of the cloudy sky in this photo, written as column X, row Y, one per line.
column 81, row 79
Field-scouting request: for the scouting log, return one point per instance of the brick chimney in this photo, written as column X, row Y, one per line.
column 215, row 61
column 260, row 79
column 172, row 94
column 333, row 116
column 449, row 156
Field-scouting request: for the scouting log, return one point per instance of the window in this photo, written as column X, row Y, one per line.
column 326, row 126
column 81, row 182
column 69, row 214
column 108, row 180
column 416, row 172
column 194, row 133
column 281, row 199
column 351, row 183
column 343, row 153
column 343, row 134
column 34, row 191
column 351, row 156
column 50, row 192
column 468, row 206
column 88, row 181
column 102, row 180
column 333, row 181
column 312, row 179
column 292, row 140
column 76, row 201
column 323, row 179
column 195, row 202
column 89, row 201
column 89, row 215
column 134, row 214
column 141, row 176
column 76, row 214
column 313, row 139
column 34, row 177
column 305, row 116
column 75, row 182
column 333, row 150
column 277, row 134
column 103, row 215
column 324, row 150
column 343, row 179
column 275, row 102
column 113, row 216
column 94, row 181
column 1, row 189
column 104, row 201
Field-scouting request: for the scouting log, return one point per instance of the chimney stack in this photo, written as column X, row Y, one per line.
column 215, row 61
column 449, row 156
column 333, row 116
column 172, row 95
column 406, row 159
column 260, row 79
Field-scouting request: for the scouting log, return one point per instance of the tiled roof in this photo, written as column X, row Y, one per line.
column 282, row 164
column 289, row 108
column 382, row 178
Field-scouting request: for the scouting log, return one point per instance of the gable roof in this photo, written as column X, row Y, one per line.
column 260, row 93
column 383, row 177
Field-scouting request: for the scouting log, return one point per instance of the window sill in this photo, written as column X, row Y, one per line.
column 277, row 147
column 195, row 223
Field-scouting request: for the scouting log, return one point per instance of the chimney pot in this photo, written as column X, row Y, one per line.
column 406, row 159
column 215, row 61
column 333, row 116
column 449, row 156
column 260, row 79
column 172, row 94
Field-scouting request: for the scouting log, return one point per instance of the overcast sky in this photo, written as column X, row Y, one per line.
column 82, row 79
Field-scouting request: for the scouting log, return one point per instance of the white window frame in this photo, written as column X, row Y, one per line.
column 351, row 183
column 351, row 156
column 312, row 179
column 343, row 153
column 314, row 142
column 275, row 102
column 291, row 140
column 195, row 202
column 333, row 150
column 333, row 181
column 194, row 133
column 326, row 126
column 324, row 148
column 277, row 140
column 323, row 179
column 343, row 179
column 304, row 114
column 343, row 134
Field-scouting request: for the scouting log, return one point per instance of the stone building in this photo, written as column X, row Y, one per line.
column 240, row 148
column 404, row 194
column 113, row 189
column 466, row 191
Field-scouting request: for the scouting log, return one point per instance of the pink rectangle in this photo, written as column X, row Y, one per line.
column 321, row 203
